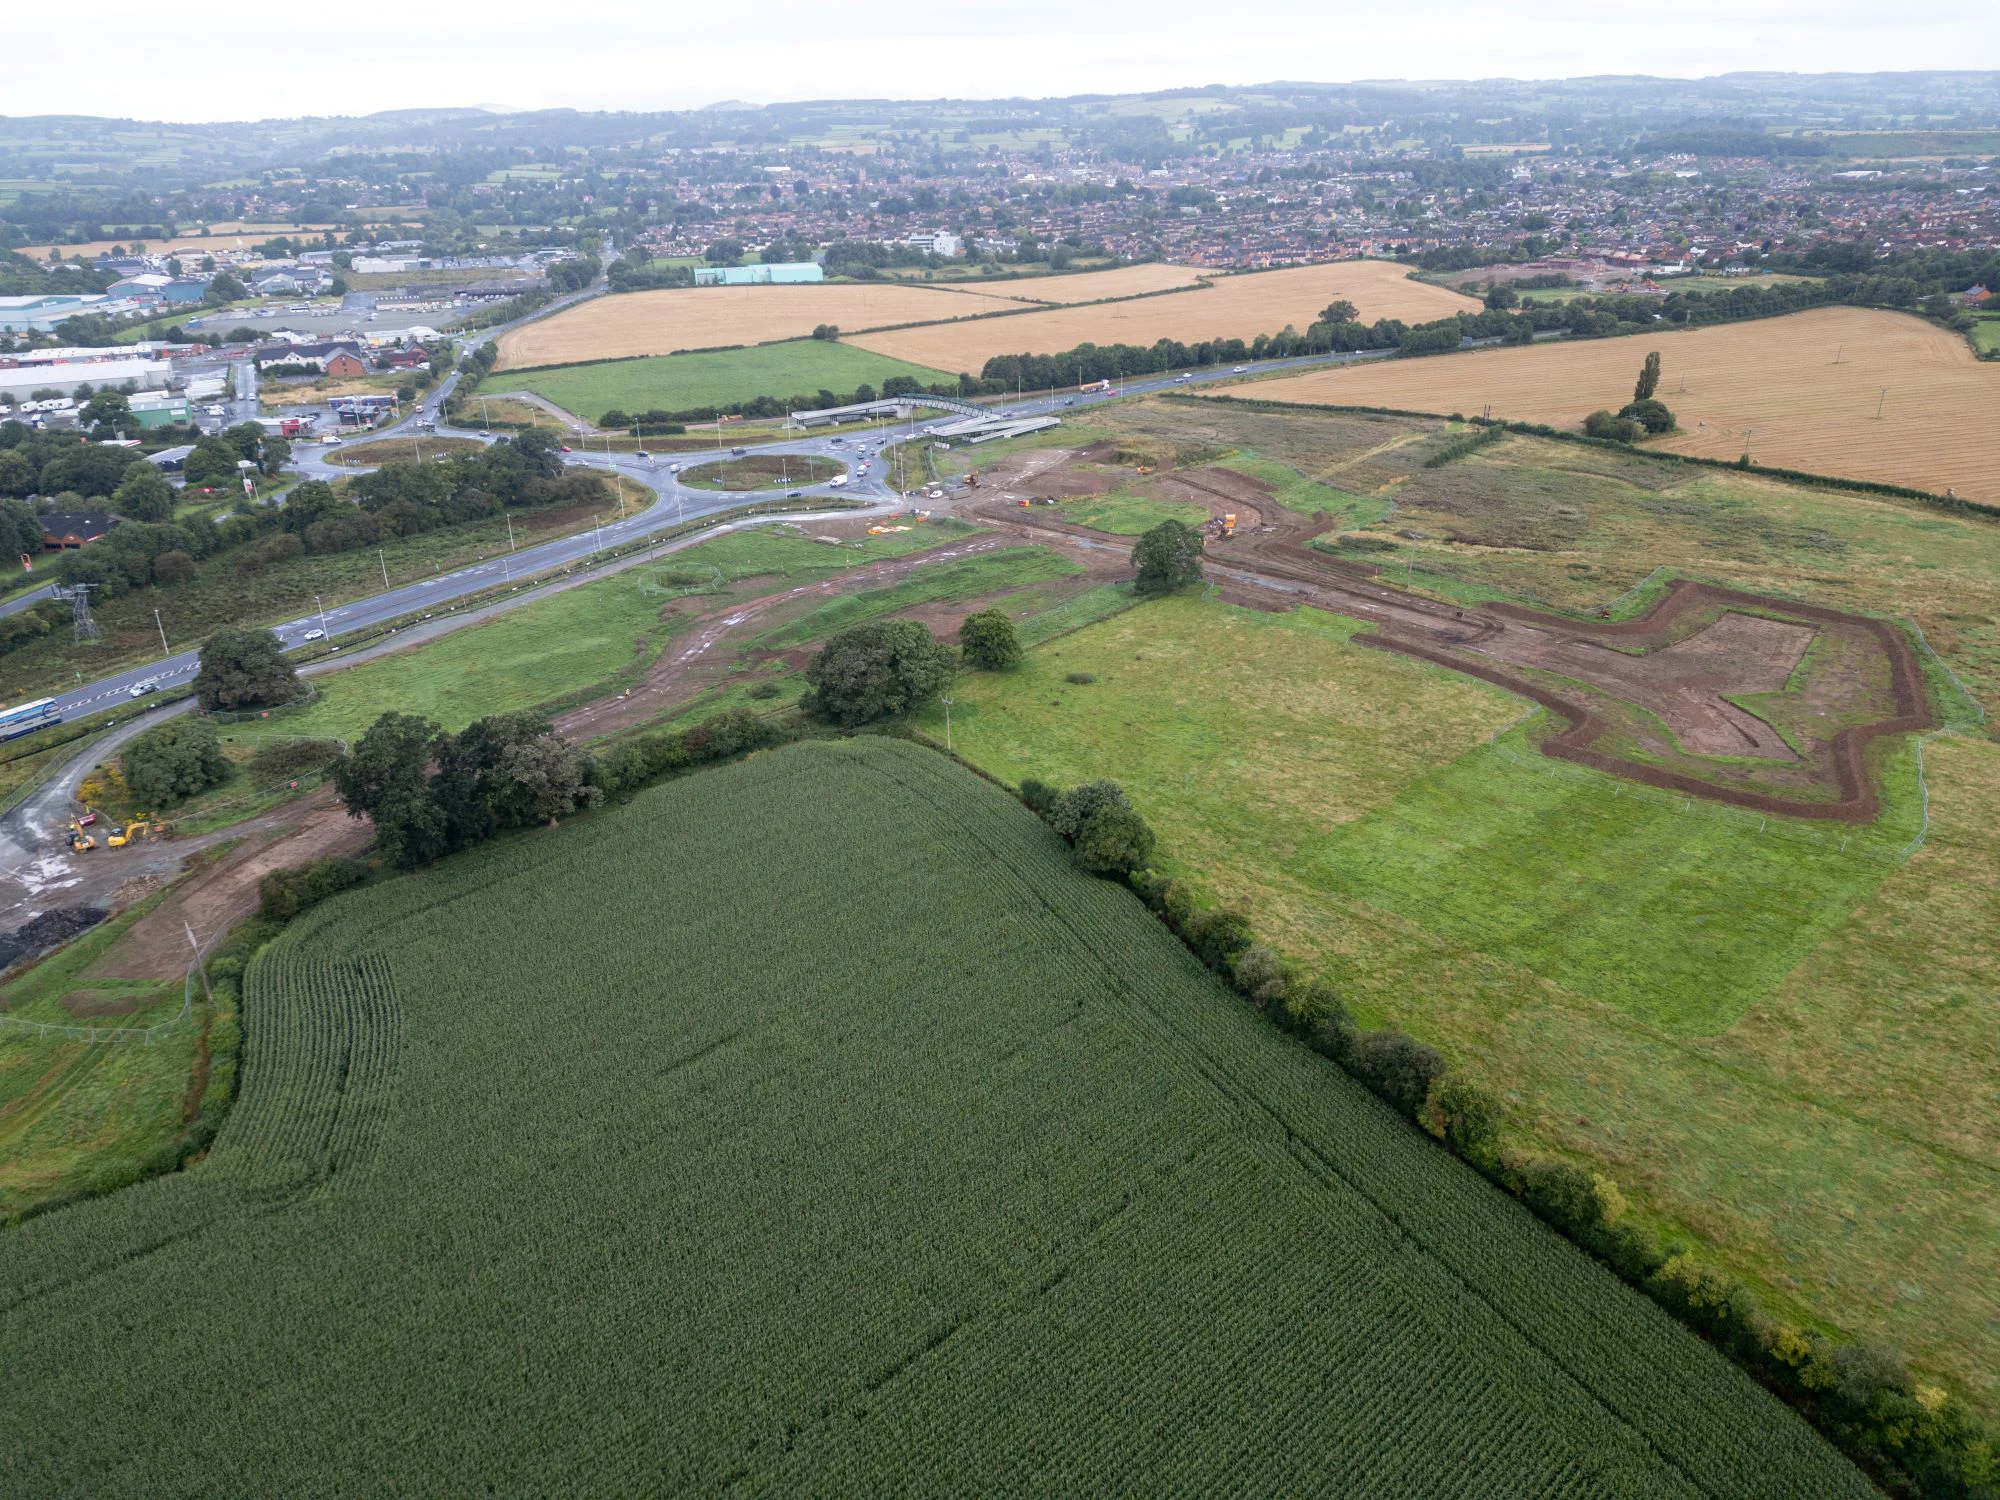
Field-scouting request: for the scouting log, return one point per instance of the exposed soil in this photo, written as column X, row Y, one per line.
column 224, row 894
column 1682, row 663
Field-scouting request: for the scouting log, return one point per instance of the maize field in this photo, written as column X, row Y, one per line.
column 812, row 1125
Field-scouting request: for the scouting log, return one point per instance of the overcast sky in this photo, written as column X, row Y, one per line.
column 145, row 62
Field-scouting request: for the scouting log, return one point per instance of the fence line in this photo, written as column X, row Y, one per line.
column 95, row 1034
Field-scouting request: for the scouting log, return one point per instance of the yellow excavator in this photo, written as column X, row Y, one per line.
column 78, row 839
column 144, row 826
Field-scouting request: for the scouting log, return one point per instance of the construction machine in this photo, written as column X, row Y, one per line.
column 145, row 826
column 78, row 839
column 1145, row 469
column 1229, row 524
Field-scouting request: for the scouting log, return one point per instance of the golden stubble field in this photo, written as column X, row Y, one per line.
column 1092, row 286
column 706, row 317
column 1241, row 306
column 1799, row 392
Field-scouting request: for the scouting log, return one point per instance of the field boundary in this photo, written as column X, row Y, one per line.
column 1955, row 503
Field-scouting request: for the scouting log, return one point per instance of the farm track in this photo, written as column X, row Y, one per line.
column 1497, row 642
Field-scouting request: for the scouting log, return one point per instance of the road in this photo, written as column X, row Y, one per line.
column 857, row 453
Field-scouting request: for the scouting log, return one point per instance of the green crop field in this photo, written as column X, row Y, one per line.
column 1706, row 1003
column 911, row 1161
column 682, row 382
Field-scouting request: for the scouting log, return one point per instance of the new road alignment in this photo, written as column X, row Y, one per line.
column 675, row 503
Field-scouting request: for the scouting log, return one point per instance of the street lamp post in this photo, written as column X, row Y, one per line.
column 947, row 722
column 163, row 633
column 322, row 615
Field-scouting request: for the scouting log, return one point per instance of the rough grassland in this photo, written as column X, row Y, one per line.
column 1778, row 1045
column 1771, row 387
column 569, row 642
column 711, row 317
column 681, row 382
column 912, row 1162
column 1234, row 307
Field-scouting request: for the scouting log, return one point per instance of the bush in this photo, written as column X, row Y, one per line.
column 1649, row 414
column 1040, row 798
column 1105, row 830
column 283, row 894
column 1400, row 1069
column 1217, row 937
column 173, row 761
column 1080, row 679
column 988, row 642
column 286, row 758
column 1465, row 1117
column 1574, row 1200
column 1601, row 424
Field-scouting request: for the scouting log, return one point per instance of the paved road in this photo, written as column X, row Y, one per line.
column 857, row 453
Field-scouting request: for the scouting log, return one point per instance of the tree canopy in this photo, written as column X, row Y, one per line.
column 245, row 669
column 1167, row 558
column 171, row 762
column 877, row 670
column 988, row 642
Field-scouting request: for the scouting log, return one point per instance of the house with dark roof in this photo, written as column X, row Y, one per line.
column 64, row 530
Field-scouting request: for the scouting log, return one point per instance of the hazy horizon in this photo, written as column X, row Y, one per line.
column 617, row 55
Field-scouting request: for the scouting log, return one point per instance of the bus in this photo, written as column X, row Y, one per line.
column 15, row 722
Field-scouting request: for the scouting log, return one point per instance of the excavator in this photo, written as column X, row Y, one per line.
column 78, row 839
column 144, row 826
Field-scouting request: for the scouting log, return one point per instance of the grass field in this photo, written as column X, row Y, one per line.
column 1241, row 306
column 712, row 317
column 1771, row 387
column 761, row 471
column 570, row 643
column 912, row 1161
column 78, row 1114
column 402, row 450
column 1986, row 334
column 680, row 382
column 1601, row 954
column 222, row 594
column 1128, row 515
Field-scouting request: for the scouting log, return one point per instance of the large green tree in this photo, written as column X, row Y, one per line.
column 988, row 641
column 244, row 668
column 1167, row 558
column 386, row 779
column 145, row 495
column 172, row 761
column 877, row 670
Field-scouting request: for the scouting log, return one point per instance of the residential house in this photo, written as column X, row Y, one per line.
column 64, row 530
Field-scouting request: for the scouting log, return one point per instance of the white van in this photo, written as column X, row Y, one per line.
column 838, row 480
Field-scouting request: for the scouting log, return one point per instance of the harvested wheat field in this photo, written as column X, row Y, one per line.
column 1241, row 306
column 1799, row 392
column 1094, row 286
column 712, row 316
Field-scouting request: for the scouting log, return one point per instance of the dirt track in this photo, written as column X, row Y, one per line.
column 1664, row 663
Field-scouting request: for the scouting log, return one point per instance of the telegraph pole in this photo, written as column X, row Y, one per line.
column 383, row 558
column 200, row 967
